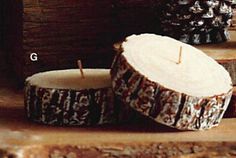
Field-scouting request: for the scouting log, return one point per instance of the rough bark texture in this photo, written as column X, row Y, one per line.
column 197, row 22
column 65, row 107
column 163, row 105
column 69, row 107
column 157, row 150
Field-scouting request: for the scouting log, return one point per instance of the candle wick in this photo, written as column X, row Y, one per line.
column 180, row 55
column 81, row 68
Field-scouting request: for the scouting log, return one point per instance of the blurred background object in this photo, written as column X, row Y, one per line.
column 197, row 22
column 60, row 32
column 233, row 24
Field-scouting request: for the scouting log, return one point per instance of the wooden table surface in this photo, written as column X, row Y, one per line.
column 21, row 138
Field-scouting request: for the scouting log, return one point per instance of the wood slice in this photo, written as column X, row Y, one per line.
column 64, row 98
column 146, row 76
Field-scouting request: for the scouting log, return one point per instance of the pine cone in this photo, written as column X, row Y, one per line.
column 197, row 21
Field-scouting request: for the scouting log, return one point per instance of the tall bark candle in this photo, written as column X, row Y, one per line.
column 64, row 97
column 189, row 95
column 197, row 22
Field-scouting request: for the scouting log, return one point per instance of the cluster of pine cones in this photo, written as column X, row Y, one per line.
column 196, row 21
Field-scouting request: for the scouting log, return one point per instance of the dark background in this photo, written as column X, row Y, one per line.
column 63, row 31
column 2, row 21
column 2, row 30
column 10, row 33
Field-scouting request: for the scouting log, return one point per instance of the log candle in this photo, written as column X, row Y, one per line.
column 189, row 95
column 66, row 98
column 197, row 22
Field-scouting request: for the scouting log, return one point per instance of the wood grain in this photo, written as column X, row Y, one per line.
column 160, row 150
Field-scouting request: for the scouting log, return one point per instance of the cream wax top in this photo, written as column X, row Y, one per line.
column 156, row 57
column 72, row 79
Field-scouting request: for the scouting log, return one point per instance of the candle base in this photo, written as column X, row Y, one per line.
column 63, row 98
column 147, row 87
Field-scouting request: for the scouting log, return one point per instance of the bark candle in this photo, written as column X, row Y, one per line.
column 189, row 95
column 64, row 97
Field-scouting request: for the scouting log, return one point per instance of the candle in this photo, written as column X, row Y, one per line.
column 189, row 95
column 195, row 21
column 64, row 97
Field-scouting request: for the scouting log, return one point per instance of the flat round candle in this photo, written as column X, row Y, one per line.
column 171, row 82
column 65, row 98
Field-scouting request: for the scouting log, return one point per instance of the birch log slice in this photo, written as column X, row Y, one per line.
column 65, row 98
column 191, row 95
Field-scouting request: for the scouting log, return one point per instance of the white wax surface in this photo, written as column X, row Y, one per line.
column 71, row 79
column 156, row 58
